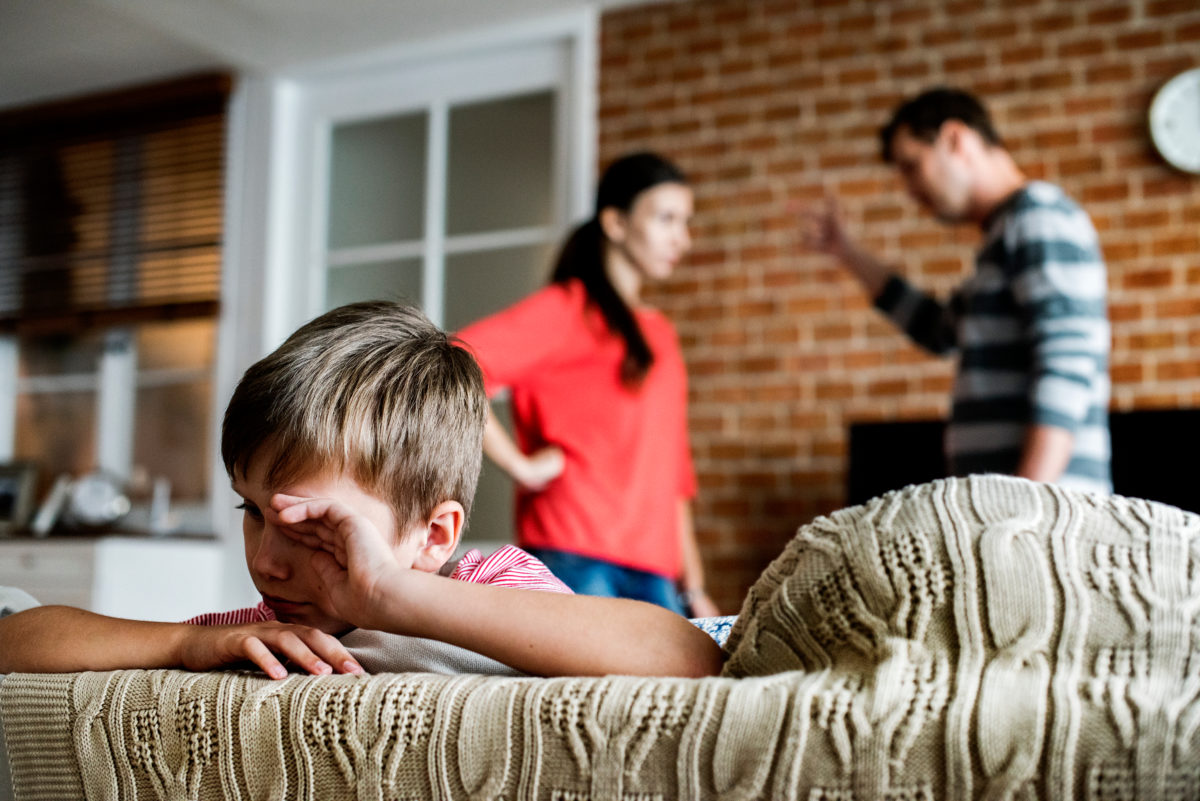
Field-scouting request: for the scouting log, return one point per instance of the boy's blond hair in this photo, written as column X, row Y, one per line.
column 373, row 390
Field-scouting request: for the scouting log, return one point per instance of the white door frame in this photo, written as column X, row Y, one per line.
column 278, row 153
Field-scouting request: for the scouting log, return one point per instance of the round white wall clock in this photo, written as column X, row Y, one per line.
column 1175, row 121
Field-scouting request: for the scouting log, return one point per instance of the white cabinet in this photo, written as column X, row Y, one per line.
column 148, row 578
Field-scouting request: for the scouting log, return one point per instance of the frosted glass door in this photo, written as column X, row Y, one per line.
column 500, row 203
column 500, row 165
column 376, row 232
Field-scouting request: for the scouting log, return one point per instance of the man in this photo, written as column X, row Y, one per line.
column 1030, row 326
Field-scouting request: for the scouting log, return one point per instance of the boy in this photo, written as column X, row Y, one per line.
column 356, row 447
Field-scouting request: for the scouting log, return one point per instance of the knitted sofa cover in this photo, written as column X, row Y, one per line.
column 970, row 638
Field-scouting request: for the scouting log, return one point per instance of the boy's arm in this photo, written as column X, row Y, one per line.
column 59, row 639
column 544, row 633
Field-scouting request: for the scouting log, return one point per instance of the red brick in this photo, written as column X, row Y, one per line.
column 1117, row 12
column 1177, row 245
column 836, row 51
column 1075, row 106
column 1169, row 184
column 1188, row 33
column 888, row 387
column 1178, row 307
column 1049, row 140
column 1169, row 8
column 1160, row 69
column 1121, row 251
column 1089, row 47
column 855, row 77
column 902, row 15
column 911, row 69
column 1147, row 218
column 1104, row 192
column 834, row 390
column 1153, row 341
column 1175, row 371
column 1110, row 73
column 1127, row 373
column 1056, row 79
column 1140, row 40
column 891, row 45
column 1125, row 312
column 942, row 266
column 1053, row 22
column 937, row 37
column 969, row 63
column 1088, row 164
column 1023, row 54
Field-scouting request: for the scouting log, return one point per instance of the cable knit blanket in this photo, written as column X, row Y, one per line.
column 982, row 638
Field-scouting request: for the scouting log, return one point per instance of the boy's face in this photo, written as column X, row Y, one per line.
column 281, row 568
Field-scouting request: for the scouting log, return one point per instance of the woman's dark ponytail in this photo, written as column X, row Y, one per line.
column 582, row 255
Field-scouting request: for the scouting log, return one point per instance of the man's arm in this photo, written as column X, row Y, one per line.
column 1046, row 452
column 824, row 230
column 1059, row 282
column 927, row 322
column 62, row 639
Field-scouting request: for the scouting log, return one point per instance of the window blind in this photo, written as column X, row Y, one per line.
column 111, row 208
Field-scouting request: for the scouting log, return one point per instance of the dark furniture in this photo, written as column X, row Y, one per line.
column 1156, row 455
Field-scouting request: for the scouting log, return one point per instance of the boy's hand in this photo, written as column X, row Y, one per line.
column 318, row 653
column 350, row 555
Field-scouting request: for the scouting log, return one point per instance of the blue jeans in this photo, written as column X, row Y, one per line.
column 588, row 576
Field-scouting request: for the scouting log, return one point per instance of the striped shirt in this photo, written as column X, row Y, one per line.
column 1032, row 335
column 507, row 567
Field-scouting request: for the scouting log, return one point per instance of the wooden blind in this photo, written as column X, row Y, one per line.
column 111, row 208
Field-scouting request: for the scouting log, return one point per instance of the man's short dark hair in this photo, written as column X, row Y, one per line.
column 924, row 115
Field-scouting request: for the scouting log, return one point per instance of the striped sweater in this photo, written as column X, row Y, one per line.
column 1032, row 335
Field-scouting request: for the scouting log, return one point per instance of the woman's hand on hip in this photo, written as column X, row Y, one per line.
column 541, row 467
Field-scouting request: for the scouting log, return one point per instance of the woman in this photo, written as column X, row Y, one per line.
column 599, row 400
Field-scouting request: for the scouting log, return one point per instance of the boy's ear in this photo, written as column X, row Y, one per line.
column 442, row 530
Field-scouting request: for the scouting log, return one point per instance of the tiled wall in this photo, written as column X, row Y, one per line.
column 768, row 104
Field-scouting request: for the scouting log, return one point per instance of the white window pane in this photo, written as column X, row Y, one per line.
column 486, row 281
column 385, row 280
column 501, row 157
column 377, row 181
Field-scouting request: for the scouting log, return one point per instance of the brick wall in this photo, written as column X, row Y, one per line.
column 766, row 103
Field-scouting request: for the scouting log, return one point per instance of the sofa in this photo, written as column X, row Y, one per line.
column 976, row 638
